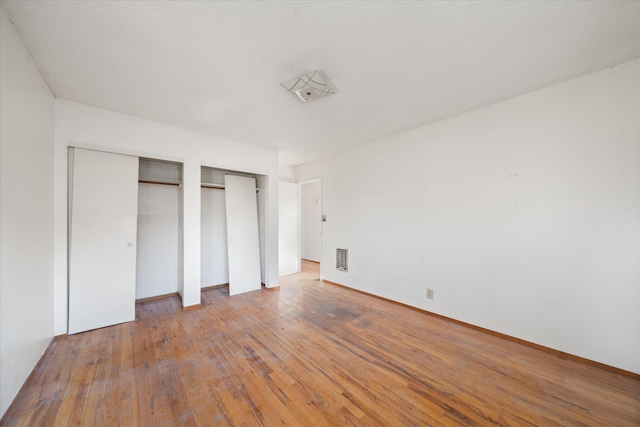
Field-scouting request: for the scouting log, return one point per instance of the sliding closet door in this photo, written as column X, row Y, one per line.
column 242, row 234
column 102, row 250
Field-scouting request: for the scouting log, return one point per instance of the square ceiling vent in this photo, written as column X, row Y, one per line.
column 309, row 87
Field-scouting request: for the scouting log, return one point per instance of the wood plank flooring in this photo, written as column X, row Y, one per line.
column 310, row 354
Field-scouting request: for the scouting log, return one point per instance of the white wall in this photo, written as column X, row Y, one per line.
column 288, row 228
column 26, row 213
column 88, row 127
column 523, row 216
column 287, row 173
column 310, row 225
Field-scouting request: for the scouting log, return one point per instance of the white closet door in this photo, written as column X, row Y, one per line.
column 102, row 252
column 242, row 234
column 213, row 244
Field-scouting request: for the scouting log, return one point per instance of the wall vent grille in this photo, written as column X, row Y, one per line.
column 342, row 260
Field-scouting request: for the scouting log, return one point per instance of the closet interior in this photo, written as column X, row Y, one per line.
column 232, row 229
column 126, row 233
column 159, row 237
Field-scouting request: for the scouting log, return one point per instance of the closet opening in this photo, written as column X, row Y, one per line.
column 233, row 225
column 159, row 233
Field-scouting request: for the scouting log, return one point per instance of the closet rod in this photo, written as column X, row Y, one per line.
column 148, row 181
column 218, row 187
column 207, row 185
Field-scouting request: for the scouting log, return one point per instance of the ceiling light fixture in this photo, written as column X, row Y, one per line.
column 309, row 87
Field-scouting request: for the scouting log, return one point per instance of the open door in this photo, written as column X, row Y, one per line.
column 242, row 234
column 102, row 250
column 311, row 221
column 288, row 252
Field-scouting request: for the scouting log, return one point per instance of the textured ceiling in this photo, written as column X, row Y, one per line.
column 217, row 66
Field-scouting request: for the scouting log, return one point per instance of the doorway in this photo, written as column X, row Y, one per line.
column 311, row 224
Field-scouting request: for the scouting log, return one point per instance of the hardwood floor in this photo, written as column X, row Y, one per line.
column 310, row 353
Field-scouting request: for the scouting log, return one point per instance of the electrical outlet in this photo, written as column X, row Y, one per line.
column 429, row 293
